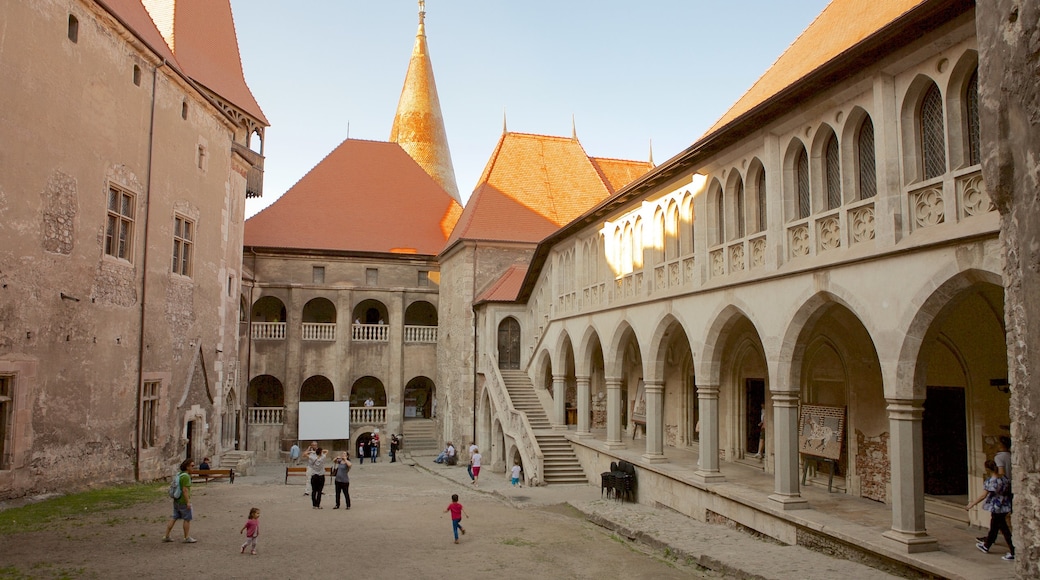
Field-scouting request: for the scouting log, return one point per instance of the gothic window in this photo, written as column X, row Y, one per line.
column 149, row 413
column 661, row 236
column 740, row 208
column 671, row 239
column 801, row 174
column 932, row 130
column 761, row 191
column 832, row 164
column 971, row 101
column 720, row 217
column 119, row 231
column 867, row 168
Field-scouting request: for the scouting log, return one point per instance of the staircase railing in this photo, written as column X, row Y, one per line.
column 515, row 423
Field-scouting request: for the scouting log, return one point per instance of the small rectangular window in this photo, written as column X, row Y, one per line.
column 424, row 278
column 184, row 110
column 202, row 157
column 371, row 277
column 137, row 75
column 149, row 414
column 6, row 404
column 119, row 231
column 183, row 245
column 73, row 28
column 318, row 274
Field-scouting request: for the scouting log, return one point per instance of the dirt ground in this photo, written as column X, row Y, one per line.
column 395, row 528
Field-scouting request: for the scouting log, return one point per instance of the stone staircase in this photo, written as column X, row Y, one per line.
column 560, row 465
column 243, row 462
column 420, row 437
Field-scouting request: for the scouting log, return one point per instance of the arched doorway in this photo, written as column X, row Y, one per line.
column 509, row 344
column 418, row 398
column 317, row 388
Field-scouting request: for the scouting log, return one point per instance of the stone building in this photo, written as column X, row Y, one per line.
column 811, row 291
column 125, row 161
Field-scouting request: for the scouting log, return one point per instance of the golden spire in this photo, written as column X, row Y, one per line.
column 418, row 124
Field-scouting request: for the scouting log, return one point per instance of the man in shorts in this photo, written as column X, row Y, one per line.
column 182, row 504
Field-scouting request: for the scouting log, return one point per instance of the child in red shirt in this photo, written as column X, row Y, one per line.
column 456, row 516
column 252, row 530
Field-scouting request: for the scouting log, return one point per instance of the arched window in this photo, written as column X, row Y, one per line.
column 832, row 167
column 933, row 134
column 801, row 175
column 73, row 28
column 720, row 217
column 660, row 237
column 671, row 236
column 971, row 103
column 739, row 194
column 867, row 168
column 761, row 192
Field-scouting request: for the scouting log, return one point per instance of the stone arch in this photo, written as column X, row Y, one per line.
column 734, row 211
column 670, row 363
column 672, row 233
column 716, row 203
column 959, row 128
column 687, row 215
column 371, row 311
column 319, row 310
column 509, row 341
column 265, row 391
column 420, row 313
column 269, row 309
column 317, row 388
column 756, row 191
column 543, row 368
column 419, row 393
column 367, row 387
column 795, row 161
column 853, row 168
column 820, row 163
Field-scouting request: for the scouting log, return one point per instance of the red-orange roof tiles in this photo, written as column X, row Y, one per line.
column 617, row 173
column 531, row 186
column 506, row 288
column 841, row 25
column 203, row 37
column 365, row 196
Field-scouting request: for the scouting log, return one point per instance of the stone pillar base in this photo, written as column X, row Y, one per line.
column 580, row 435
column 614, row 445
column 708, row 477
column 654, row 458
column 789, row 502
column 911, row 542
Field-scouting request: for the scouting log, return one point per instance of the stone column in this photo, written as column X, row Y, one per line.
column 614, row 414
column 559, row 418
column 584, row 408
column 785, row 449
column 906, row 454
column 708, row 467
column 654, row 422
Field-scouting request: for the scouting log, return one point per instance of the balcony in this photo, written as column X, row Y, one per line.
column 268, row 331
column 266, row 415
column 368, row 415
column 255, row 174
column 424, row 334
column 319, row 331
column 370, row 332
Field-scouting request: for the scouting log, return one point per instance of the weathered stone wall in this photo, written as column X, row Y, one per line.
column 1009, row 95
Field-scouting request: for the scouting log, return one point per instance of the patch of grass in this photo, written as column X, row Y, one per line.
column 518, row 542
column 12, row 573
column 42, row 515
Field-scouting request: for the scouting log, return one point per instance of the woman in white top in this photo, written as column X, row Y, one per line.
column 476, row 465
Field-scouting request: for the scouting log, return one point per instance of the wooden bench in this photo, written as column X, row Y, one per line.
column 204, row 475
column 292, row 471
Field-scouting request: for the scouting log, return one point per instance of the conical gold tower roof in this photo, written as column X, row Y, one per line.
column 418, row 124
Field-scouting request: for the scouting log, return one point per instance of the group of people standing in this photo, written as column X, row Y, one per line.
column 997, row 499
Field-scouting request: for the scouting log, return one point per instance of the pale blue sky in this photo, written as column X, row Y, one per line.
column 629, row 72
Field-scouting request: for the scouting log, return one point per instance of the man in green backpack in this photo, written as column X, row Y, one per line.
column 182, row 504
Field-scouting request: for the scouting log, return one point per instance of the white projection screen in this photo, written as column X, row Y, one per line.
column 325, row 420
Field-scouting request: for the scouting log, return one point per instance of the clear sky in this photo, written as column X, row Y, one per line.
column 627, row 72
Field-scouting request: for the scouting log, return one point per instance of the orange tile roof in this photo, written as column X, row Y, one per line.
column 531, row 186
column 133, row 15
column 617, row 173
column 506, row 288
column 202, row 35
column 365, row 196
column 841, row 25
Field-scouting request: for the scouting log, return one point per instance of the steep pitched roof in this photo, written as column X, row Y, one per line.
column 841, row 25
column 134, row 16
column 533, row 185
column 202, row 35
column 617, row 173
column 418, row 124
column 506, row 288
column 365, row 196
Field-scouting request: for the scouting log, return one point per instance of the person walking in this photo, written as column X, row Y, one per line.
column 394, row 446
column 998, row 503
column 362, row 450
column 475, row 463
column 516, row 474
column 294, row 454
column 316, row 465
column 373, row 448
column 252, row 530
column 182, row 504
column 456, row 516
column 341, row 473
column 469, row 466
